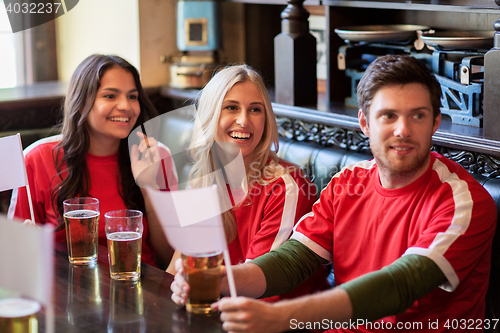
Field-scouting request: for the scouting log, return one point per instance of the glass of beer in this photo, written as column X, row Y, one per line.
column 202, row 272
column 124, row 234
column 18, row 315
column 81, row 216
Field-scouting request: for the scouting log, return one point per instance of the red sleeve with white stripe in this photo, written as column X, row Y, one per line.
column 315, row 230
column 462, row 218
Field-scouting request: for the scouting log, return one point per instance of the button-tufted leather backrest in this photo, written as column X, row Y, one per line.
column 492, row 185
column 319, row 163
column 175, row 130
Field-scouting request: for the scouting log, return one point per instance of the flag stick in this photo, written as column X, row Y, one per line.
column 49, row 318
column 161, row 159
column 48, row 275
column 30, row 202
column 27, row 182
column 229, row 272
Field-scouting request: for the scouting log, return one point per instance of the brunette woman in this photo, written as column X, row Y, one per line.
column 90, row 157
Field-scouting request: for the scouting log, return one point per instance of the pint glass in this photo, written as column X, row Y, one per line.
column 124, row 233
column 202, row 272
column 18, row 315
column 81, row 216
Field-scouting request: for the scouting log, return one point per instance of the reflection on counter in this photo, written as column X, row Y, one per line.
column 182, row 321
column 84, row 295
column 127, row 309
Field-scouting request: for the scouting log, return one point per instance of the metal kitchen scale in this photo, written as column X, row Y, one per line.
column 458, row 63
column 456, row 58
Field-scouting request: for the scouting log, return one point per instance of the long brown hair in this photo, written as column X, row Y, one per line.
column 69, row 155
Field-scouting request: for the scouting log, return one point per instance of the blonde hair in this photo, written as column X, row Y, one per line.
column 209, row 107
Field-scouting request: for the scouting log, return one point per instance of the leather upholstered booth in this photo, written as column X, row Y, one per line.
column 492, row 185
column 320, row 163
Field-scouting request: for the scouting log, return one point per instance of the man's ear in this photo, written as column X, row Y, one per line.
column 363, row 123
column 437, row 122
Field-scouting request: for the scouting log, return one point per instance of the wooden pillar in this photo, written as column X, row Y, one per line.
column 491, row 104
column 295, row 58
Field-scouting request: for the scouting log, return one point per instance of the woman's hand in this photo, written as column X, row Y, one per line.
column 179, row 287
column 145, row 168
column 171, row 266
column 30, row 223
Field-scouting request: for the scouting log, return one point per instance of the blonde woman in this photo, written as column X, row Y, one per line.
column 235, row 107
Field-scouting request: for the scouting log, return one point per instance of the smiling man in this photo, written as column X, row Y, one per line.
column 409, row 233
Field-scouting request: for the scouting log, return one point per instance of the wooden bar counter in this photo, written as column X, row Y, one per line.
column 87, row 300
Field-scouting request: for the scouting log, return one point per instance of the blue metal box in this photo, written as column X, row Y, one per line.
column 198, row 26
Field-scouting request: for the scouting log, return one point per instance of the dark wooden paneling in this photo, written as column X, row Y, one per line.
column 262, row 24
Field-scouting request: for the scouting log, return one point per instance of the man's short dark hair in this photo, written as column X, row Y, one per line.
column 397, row 70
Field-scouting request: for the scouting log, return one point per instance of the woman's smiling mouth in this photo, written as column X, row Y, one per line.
column 120, row 119
column 239, row 135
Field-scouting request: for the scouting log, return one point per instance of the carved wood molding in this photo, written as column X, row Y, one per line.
column 325, row 135
column 476, row 163
column 356, row 141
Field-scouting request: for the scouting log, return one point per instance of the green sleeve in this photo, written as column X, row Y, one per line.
column 394, row 288
column 288, row 266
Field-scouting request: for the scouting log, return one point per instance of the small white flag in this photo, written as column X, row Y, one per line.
column 191, row 219
column 27, row 259
column 12, row 168
column 192, row 222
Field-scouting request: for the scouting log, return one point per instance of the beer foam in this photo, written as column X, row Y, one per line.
column 18, row 307
column 124, row 236
column 81, row 214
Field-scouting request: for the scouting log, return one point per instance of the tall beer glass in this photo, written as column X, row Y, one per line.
column 202, row 272
column 18, row 315
column 81, row 216
column 124, row 233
